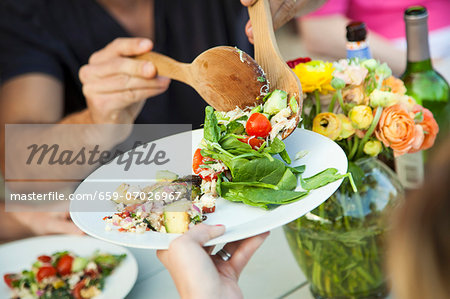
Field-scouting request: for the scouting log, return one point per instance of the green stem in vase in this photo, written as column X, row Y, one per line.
column 317, row 96
column 315, row 272
column 369, row 132
column 332, row 103
column 354, row 148
column 341, row 100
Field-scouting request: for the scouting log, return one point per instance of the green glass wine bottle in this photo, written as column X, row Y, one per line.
column 426, row 86
column 422, row 82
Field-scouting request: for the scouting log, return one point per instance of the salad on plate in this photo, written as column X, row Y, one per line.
column 241, row 158
column 63, row 275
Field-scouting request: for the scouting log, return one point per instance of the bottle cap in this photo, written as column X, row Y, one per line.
column 356, row 31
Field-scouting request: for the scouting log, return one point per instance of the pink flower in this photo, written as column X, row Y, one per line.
column 351, row 73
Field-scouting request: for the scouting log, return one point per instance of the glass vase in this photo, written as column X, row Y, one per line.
column 340, row 245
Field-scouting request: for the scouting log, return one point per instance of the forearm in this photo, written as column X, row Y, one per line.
column 63, row 152
column 11, row 228
column 325, row 36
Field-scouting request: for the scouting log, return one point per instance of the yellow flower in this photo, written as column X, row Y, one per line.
column 372, row 148
column 327, row 124
column 361, row 117
column 347, row 129
column 315, row 75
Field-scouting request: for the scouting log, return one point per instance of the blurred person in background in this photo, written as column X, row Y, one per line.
column 419, row 244
column 69, row 62
column 323, row 32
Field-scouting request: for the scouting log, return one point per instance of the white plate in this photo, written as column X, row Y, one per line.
column 20, row 255
column 241, row 221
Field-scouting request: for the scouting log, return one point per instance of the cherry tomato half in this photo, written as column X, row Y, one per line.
column 254, row 142
column 45, row 271
column 64, row 265
column 206, row 210
column 258, row 125
column 45, row 258
column 199, row 160
column 9, row 279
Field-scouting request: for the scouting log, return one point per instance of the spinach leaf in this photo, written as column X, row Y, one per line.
column 235, row 127
column 262, row 197
column 247, row 184
column 231, row 144
column 275, row 147
column 285, row 156
column 325, row 177
column 288, row 181
column 298, row 169
column 226, row 159
column 260, row 170
column 211, row 131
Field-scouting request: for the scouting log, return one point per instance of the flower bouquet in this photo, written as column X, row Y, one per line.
column 362, row 107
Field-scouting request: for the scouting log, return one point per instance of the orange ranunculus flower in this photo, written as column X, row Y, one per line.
column 314, row 75
column 394, row 85
column 418, row 140
column 429, row 125
column 396, row 129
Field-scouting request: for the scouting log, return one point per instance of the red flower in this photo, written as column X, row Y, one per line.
column 293, row 63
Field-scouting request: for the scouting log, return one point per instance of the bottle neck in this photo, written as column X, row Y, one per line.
column 420, row 66
column 418, row 50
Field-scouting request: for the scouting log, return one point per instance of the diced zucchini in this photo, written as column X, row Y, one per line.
column 79, row 263
column 276, row 102
column 176, row 217
column 176, row 222
column 293, row 104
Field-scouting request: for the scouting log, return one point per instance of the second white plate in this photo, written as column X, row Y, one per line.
column 20, row 255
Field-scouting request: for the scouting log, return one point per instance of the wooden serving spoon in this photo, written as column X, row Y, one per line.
column 225, row 77
column 268, row 56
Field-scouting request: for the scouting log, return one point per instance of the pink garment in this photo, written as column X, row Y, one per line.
column 385, row 17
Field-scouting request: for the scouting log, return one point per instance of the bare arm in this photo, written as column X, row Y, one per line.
column 326, row 36
column 38, row 99
column 115, row 87
column 32, row 98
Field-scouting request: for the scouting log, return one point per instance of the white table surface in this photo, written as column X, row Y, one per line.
column 271, row 273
